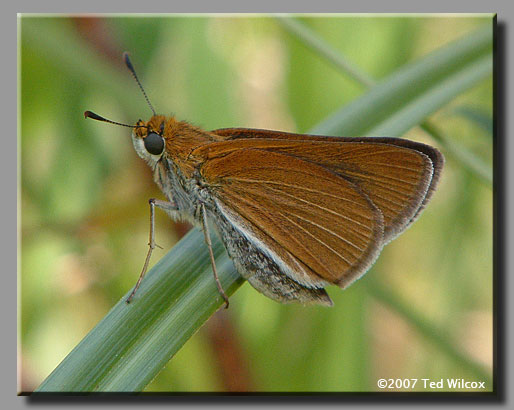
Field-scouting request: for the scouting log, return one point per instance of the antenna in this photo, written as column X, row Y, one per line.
column 131, row 68
column 90, row 114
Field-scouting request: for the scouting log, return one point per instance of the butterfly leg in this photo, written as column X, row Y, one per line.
column 166, row 206
column 207, row 235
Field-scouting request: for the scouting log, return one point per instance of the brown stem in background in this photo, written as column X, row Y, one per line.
column 229, row 353
column 95, row 31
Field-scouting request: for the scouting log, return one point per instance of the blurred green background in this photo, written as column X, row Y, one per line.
column 84, row 192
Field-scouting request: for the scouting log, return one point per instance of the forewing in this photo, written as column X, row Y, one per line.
column 319, row 226
column 399, row 176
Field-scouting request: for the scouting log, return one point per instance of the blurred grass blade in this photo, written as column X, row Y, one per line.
column 309, row 38
column 415, row 91
column 431, row 99
column 134, row 341
column 478, row 117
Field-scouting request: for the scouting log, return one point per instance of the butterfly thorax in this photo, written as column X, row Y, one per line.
column 175, row 170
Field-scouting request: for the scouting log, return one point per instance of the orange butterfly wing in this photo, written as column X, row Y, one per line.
column 399, row 176
column 324, row 206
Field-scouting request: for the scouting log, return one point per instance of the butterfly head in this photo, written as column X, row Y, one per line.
column 149, row 138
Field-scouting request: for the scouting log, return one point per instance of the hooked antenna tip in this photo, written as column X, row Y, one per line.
column 128, row 63
column 89, row 114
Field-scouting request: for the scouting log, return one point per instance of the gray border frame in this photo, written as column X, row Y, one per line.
column 503, row 191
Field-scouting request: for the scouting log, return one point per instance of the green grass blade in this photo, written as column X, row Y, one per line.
column 477, row 117
column 135, row 341
column 432, row 99
column 309, row 38
column 417, row 89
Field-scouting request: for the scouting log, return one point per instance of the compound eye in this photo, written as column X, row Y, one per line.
column 154, row 143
